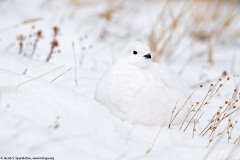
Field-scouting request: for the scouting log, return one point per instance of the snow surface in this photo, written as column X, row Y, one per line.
column 62, row 119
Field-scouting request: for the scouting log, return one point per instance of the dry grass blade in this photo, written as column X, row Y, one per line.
column 61, row 75
column 237, row 141
column 27, row 21
column 210, row 50
column 32, row 20
column 172, row 117
column 155, row 139
column 21, row 84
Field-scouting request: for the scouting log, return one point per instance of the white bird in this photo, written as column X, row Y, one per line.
column 141, row 91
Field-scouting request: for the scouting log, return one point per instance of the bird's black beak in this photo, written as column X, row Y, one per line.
column 147, row 56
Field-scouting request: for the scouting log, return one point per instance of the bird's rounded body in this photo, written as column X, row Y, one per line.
column 140, row 95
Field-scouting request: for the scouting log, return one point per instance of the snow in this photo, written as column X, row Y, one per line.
column 49, row 117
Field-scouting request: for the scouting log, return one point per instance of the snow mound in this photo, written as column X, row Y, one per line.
column 40, row 117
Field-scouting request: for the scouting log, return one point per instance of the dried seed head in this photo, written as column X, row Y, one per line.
column 201, row 86
column 234, row 106
column 236, row 100
column 220, row 85
column 20, row 38
column 55, row 30
column 218, row 119
column 224, row 74
column 230, row 125
column 211, row 84
column 54, row 43
column 219, row 79
column 220, row 107
column 56, row 126
column 39, row 34
column 197, row 102
column 226, row 102
column 228, row 78
column 218, row 113
column 235, row 90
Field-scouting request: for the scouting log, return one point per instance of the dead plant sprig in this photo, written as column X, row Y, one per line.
column 224, row 74
column 212, row 139
column 38, row 37
column 230, row 130
column 216, row 124
column 221, row 116
column 29, row 40
column 213, row 118
column 204, row 101
column 200, row 107
column 171, row 118
column 195, row 123
column 179, row 110
column 161, row 41
column 20, row 38
column 190, row 110
column 54, row 43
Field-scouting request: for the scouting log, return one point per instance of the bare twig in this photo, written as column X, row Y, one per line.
column 75, row 64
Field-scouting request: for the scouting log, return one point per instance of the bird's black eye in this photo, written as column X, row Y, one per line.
column 134, row 52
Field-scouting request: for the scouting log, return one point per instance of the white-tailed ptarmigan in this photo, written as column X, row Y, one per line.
column 141, row 91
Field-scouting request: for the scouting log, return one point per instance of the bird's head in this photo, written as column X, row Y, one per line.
column 138, row 54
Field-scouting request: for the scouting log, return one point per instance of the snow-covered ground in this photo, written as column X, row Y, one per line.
column 54, row 113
